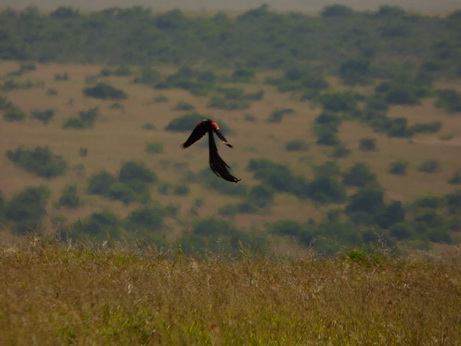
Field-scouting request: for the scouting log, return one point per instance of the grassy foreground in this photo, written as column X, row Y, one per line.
column 50, row 295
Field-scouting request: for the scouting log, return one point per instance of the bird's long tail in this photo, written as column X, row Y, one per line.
column 217, row 164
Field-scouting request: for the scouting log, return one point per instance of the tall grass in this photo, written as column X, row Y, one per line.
column 52, row 295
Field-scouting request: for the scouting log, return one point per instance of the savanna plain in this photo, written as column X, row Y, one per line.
column 344, row 229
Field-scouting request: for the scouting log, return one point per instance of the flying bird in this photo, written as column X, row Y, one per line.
column 217, row 164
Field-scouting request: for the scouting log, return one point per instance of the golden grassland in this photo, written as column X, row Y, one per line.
column 118, row 137
column 84, row 295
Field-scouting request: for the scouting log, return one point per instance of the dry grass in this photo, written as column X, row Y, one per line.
column 89, row 296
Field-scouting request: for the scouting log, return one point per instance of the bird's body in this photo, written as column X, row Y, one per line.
column 217, row 164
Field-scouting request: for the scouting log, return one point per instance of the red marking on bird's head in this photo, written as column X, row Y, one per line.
column 215, row 125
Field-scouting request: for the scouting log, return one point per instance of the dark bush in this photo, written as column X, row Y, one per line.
column 183, row 106
column 326, row 189
column 186, row 122
column 99, row 226
column 154, row 148
column 398, row 167
column 429, row 166
column 327, row 134
column 44, row 116
column 261, row 196
column 367, row 144
column 147, row 218
column 27, row 209
column 69, row 198
column 136, row 171
column 296, row 145
column 359, row 175
column 338, row 102
column 448, row 99
column 105, row 91
column 101, row 183
column 40, row 161
column 277, row 115
column 14, row 114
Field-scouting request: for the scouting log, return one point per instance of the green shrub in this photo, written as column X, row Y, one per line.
column 85, row 119
column 261, row 196
column 27, row 209
column 327, row 134
column 44, row 116
column 296, row 145
column 185, row 122
column 99, row 226
column 40, row 161
column 455, row 178
column 243, row 75
column 154, row 148
column 277, row 115
column 136, row 171
column 429, row 166
column 398, row 167
column 128, row 192
column 101, row 183
column 147, row 218
column 14, row 114
column 326, row 189
column 183, row 106
column 69, row 198
column 105, row 91
column 181, row 190
column 367, row 144
column 448, row 99
column 359, row 175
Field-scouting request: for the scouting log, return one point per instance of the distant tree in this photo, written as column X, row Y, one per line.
column 105, row 91
column 337, row 11
column 40, row 161
column 27, row 209
column 147, row 218
column 338, row 102
column 296, row 145
column 326, row 189
column 367, row 144
column 99, row 226
column 185, row 122
column 359, row 175
column 243, row 75
column 355, row 72
column 327, row 134
column 261, row 195
column 398, row 167
column 101, row 183
column 277, row 115
column 183, row 106
column 448, row 99
column 136, row 171
column 14, row 114
column 69, row 198
column 44, row 116
column 429, row 166
column 365, row 204
column 154, row 147
column 455, row 178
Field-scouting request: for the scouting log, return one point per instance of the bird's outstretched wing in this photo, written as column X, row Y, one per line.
column 198, row 132
column 217, row 164
column 215, row 128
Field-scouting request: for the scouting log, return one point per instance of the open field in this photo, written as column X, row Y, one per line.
column 118, row 137
column 93, row 296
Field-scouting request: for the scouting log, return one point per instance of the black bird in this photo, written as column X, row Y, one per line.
column 217, row 164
